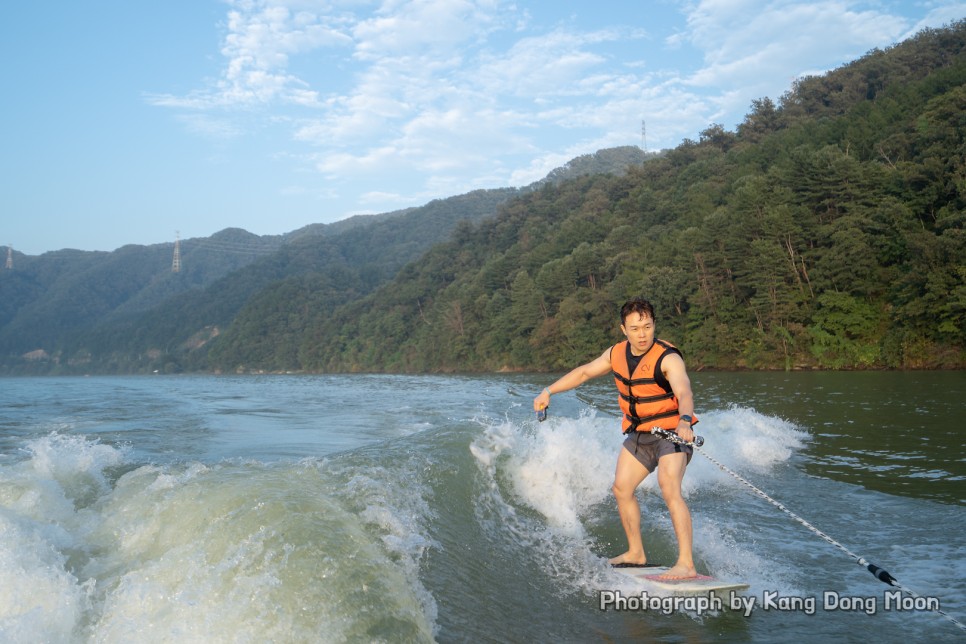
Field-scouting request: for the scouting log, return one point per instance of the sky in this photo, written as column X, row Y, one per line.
column 125, row 122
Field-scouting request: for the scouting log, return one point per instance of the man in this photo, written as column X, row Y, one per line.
column 654, row 391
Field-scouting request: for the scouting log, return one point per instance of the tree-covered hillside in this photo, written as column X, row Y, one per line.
column 127, row 311
column 826, row 232
column 46, row 298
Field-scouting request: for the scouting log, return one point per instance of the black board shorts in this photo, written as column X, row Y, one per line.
column 648, row 448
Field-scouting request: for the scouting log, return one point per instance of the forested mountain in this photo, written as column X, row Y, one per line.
column 47, row 297
column 313, row 273
column 127, row 311
column 826, row 231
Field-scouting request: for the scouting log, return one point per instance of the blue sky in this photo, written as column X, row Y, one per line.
column 124, row 122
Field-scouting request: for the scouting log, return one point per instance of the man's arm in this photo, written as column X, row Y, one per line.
column 593, row 369
column 677, row 376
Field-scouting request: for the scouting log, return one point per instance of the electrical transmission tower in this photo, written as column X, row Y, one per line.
column 9, row 265
column 176, row 261
column 643, row 137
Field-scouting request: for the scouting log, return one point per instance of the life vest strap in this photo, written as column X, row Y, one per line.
column 630, row 382
column 637, row 400
column 637, row 421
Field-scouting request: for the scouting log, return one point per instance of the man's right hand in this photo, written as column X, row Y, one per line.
column 542, row 401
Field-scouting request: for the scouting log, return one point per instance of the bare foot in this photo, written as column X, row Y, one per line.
column 629, row 559
column 680, row 571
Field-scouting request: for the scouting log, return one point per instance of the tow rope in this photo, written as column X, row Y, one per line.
column 878, row 572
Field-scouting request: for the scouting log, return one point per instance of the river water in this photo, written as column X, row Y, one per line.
column 372, row 508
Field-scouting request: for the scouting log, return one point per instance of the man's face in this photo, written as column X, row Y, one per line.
column 639, row 330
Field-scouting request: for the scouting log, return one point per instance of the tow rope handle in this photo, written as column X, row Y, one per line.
column 667, row 434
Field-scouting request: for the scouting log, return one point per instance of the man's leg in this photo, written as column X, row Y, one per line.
column 628, row 476
column 670, row 473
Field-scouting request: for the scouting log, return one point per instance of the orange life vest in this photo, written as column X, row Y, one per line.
column 646, row 397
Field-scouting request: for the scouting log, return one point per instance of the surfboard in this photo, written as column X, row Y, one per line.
column 700, row 585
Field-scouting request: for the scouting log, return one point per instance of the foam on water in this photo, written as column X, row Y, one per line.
column 544, row 473
column 549, row 485
column 235, row 551
column 40, row 598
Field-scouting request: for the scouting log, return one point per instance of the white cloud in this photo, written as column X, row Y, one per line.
column 750, row 44
column 261, row 36
column 938, row 16
column 408, row 29
column 449, row 95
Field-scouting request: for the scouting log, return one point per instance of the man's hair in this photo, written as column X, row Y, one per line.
column 638, row 305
